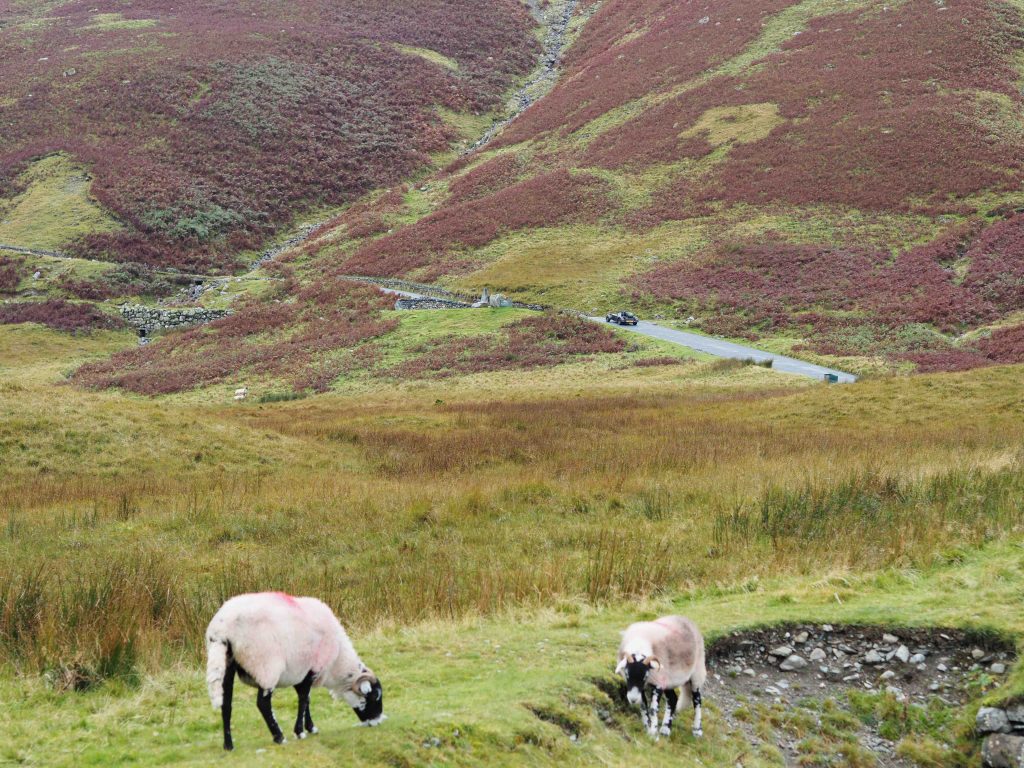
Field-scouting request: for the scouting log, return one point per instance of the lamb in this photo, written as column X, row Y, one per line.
column 663, row 655
column 271, row 640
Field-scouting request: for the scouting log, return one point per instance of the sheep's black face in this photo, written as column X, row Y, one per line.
column 635, row 673
column 371, row 710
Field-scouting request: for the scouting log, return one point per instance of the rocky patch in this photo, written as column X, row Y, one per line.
column 850, row 688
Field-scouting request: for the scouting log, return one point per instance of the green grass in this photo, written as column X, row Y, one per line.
column 471, row 685
column 54, row 209
column 434, row 57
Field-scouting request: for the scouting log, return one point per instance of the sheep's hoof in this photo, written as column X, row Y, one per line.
column 314, row 729
column 300, row 735
column 666, row 730
column 697, row 733
column 280, row 740
column 228, row 746
column 653, row 733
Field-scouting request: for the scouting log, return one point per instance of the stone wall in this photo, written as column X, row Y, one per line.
column 428, row 303
column 149, row 319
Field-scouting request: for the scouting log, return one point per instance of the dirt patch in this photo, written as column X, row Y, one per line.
column 817, row 693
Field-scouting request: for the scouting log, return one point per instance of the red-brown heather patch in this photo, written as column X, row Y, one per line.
column 1005, row 345
column 206, row 132
column 880, row 113
column 539, row 341
column 298, row 340
column 11, row 272
column 858, row 301
column 501, row 171
column 996, row 265
column 552, row 198
column 58, row 314
column 674, row 44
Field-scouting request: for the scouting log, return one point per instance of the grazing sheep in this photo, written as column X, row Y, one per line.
column 241, row 394
column 663, row 655
column 272, row 640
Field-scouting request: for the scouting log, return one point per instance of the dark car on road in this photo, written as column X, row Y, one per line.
column 621, row 318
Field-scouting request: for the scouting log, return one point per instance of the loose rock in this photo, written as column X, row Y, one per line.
column 1003, row 751
column 992, row 720
column 792, row 663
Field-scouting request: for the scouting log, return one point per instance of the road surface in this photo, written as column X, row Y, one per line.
column 722, row 348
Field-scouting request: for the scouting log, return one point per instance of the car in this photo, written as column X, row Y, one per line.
column 621, row 318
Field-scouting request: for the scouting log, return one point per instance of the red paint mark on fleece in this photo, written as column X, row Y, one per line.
column 287, row 598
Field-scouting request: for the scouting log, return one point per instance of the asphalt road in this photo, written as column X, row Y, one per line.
column 722, row 348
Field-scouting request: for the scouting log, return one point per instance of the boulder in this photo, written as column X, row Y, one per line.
column 793, row 663
column 992, row 720
column 1015, row 714
column 1003, row 751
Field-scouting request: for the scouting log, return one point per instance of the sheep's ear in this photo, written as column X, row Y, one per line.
column 621, row 666
column 653, row 663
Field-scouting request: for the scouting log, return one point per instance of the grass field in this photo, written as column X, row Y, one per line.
column 465, row 692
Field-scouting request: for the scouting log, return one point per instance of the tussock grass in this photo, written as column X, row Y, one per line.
column 444, row 500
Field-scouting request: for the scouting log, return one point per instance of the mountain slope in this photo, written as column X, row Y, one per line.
column 206, row 127
column 835, row 177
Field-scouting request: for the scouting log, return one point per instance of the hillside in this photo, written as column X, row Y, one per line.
column 831, row 178
column 188, row 134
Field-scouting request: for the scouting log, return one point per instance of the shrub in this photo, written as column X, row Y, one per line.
column 11, row 273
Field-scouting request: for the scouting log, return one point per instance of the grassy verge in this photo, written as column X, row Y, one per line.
column 465, row 693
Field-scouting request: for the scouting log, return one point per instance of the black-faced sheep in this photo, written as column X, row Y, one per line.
column 661, row 656
column 271, row 640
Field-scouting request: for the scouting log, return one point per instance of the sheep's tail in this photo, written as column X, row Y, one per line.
column 216, row 667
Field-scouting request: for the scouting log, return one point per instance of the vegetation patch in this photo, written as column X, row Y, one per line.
column 58, row 314
column 54, row 208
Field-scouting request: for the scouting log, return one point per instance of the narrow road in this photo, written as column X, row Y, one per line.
column 722, row 348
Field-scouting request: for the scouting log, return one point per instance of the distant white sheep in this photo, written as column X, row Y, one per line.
column 242, row 393
column 663, row 655
column 272, row 640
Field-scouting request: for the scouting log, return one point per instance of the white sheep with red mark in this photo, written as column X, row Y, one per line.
column 271, row 640
column 662, row 656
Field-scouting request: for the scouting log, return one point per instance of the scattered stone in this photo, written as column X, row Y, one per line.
column 917, row 658
column 873, row 657
column 783, row 651
column 890, row 639
column 801, row 638
column 749, row 672
column 793, row 663
column 934, row 687
column 817, row 655
column 903, row 654
column 1003, row 751
column 992, row 720
column 1015, row 714
column 888, row 675
column 998, row 668
column 771, row 690
column 826, row 628
column 942, row 668
column 977, row 653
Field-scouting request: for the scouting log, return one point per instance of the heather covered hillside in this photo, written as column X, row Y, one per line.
column 188, row 132
column 834, row 179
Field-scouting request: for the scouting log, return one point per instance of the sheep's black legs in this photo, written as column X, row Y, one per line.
column 697, row 730
column 671, row 700
column 225, row 706
column 303, row 717
column 267, row 710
